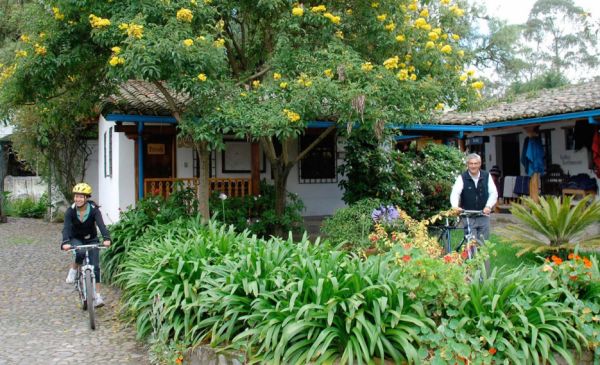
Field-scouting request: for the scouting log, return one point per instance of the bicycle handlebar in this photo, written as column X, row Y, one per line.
column 471, row 213
column 80, row 247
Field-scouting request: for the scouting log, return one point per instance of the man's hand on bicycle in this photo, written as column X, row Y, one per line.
column 487, row 211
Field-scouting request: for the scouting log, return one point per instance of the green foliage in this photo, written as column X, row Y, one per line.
column 419, row 182
column 28, row 207
column 257, row 213
column 554, row 223
column 367, row 168
column 146, row 219
column 352, row 224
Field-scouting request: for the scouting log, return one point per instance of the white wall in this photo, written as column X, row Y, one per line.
column 115, row 192
column 91, row 171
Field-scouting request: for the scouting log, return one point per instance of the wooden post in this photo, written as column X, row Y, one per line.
column 255, row 168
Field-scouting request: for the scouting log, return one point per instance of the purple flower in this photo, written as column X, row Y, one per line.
column 385, row 214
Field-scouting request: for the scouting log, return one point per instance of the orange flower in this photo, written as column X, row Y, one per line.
column 492, row 351
column 557, row 260
column 406, row 258
column 587, row 262
column 448, row 259
column 573, row 277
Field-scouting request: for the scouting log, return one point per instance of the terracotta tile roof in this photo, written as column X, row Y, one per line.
column 143, row 98
column 572, row 98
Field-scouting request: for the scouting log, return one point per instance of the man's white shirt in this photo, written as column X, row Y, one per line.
column 457, row 189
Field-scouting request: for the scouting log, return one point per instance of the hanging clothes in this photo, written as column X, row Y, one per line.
column 535, row 156
column 596, row 151
column 524, row 160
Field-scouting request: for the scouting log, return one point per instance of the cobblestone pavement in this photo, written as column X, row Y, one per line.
column 40, row 320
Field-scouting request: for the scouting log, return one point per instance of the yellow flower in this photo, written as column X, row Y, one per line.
column 412, row 68
column 283, row 85
column 97, row 22
column 348, row 11
column 185, row 15
column 390, row 26
column 471, row 72
column 243, row 94
column 276, row 76
column 193, row 2
column 318, row 9
column 256, row 84
column 328, row 73
column 201, row 38
column 40, row 50
column 381, row 17
column 135, row 30
column 424, row 13
column 433, row 36
column 429, row 44
column 202, row 77
column 123, row 26
column 339, row 34
column 219, row 43
column 303, row 80
column 391, row 63
column 413, row 7
column 42, row 35
column 116, row 50
column 461, row 53
column 334, row 19
column 463, row 77
column 420, row 23
column 21, row 53
column 57, row 14
column 24, row 38
column 413, row 77
column 188, row 42
column 439, row 106
column 207, row 2
column 477, row 85
column 292, row 116
column 402, row 74
column 408, row 57
column 400, row 38
column 367, row 66
column 444, row 2
column 426, row 27
column 456, row 10
column 446, row 49
column 455, row 37
column 297, row 11
column 115, row 61
column 374, row 5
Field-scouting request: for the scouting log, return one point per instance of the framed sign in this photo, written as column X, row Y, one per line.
column 237, row 157
column 156, row 148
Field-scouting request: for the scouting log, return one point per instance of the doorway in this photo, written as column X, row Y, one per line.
column 510, row 154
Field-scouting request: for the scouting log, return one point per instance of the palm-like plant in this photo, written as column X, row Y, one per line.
column 553, row 224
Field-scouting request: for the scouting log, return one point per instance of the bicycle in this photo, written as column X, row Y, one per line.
column 469, row 240
column 85, row 282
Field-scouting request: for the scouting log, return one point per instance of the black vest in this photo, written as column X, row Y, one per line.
column 474, row 198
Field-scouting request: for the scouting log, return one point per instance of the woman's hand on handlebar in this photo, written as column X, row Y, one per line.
column 66, row 246
column 106, row 243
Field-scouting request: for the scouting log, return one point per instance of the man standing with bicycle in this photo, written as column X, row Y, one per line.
column 474, row 189
column 79, row 228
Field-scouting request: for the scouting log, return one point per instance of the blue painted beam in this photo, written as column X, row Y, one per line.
column 140, row 140
column 319, row 124
column 405, row 137
column 593, row 121
column 547, row 119
column 440, row 127
column 139, row 118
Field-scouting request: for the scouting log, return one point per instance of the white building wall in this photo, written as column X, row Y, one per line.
column 115, row 192
column 91, row 172
column 185, row 162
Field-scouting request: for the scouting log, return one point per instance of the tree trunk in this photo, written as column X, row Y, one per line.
column 280, row 176
column 202, row 194
column 3, row 168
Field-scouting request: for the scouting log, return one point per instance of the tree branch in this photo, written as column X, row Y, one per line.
column 267, row 144
column 284, row 151
column 302, row 154
column 170, row 100
column 258, row 74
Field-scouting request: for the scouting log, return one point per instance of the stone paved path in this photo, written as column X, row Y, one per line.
column 40, row 321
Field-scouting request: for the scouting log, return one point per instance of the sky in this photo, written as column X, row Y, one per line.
column 516, row 11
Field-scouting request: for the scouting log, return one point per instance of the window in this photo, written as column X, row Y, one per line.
column 108, row 152
column 545, row 136
column 569, row 138
column 320, row 164
column 212, row 164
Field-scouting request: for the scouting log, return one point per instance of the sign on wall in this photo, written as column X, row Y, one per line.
column 156, row 148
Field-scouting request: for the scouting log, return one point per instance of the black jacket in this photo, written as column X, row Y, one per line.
column 86, row 230
column 474, row 198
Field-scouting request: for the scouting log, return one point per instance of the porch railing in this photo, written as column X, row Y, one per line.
column 233, row 187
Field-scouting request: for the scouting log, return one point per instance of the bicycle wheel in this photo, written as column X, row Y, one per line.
column 80, row 288
column 89, row 293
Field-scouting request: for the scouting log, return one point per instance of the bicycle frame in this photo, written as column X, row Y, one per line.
column 86, row 285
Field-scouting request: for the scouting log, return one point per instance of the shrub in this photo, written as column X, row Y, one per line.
column 552, row 224
column 257, row 213
column 352, row 224
column 27, row 207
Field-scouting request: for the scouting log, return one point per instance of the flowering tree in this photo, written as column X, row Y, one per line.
column 262, row 70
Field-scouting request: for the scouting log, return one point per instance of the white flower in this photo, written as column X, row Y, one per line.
column 222, row 196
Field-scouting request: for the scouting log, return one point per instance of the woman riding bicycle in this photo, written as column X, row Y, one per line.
column 79, row 228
